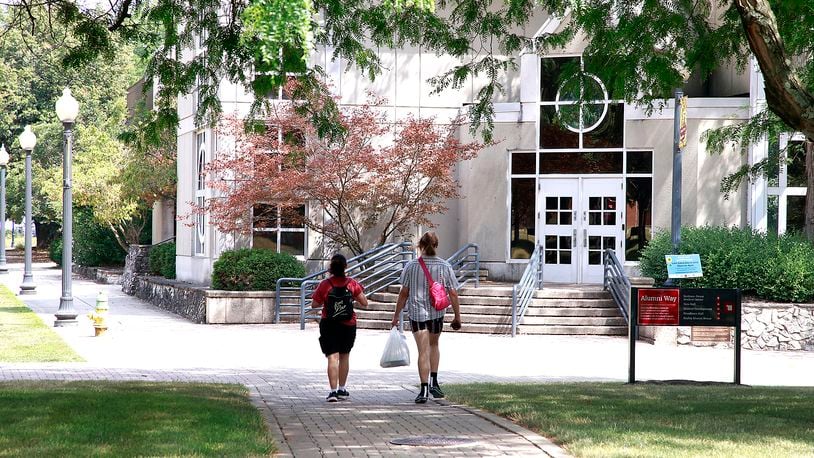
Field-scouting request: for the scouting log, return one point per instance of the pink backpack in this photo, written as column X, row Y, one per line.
column 438, row 294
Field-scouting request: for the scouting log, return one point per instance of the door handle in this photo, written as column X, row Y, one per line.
column 585, row 238
column 574, row 239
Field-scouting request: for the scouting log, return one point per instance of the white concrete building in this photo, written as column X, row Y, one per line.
column 575, row 179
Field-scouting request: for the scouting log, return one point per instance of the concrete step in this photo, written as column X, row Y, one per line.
column 466, row 318
column 471, row 328
column 573, row 311
column 465, row 309
column 572, row 321
column 505, row 290
column 574, row 330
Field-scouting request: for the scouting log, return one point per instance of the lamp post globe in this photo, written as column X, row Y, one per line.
column 3, row 163
column 27, row 142
column 67, row 109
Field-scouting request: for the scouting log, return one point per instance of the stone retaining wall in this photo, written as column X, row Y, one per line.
column 769, row 326
column 180, row 298
column 200, row 304
column 110, row 276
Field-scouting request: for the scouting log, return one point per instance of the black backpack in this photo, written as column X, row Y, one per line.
column 339, row 304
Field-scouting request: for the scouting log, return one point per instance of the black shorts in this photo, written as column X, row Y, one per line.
column 336, row 337
column 434, row 326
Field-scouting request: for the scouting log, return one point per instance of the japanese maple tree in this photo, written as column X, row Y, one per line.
column 371, row 180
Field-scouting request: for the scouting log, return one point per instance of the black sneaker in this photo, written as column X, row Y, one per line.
column 342, row 394
column 421, row 398
column 436, row 392
column 332, row 397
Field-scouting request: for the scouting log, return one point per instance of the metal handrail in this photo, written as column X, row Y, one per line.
column 617, row 283
column 530, row 282
column 466, row 264
column 375, row 270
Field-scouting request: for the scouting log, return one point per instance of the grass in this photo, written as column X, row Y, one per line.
column 78, row 419
column 649, row 420
column 25, row 338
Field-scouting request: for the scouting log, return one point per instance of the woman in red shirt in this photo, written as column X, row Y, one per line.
column 337, row 332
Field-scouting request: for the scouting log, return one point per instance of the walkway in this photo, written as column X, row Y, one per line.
column 285, row 371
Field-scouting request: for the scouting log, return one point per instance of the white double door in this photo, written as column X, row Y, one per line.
column 578, row 219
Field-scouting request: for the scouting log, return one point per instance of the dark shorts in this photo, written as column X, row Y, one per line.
column 434, row 326
column 335, row 337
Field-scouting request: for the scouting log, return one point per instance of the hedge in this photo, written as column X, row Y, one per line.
column 769, row 267
column 94, row 244
column 254, row 269
column 162, row 260
column 55, row 251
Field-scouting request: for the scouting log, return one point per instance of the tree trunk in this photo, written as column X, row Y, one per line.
column 786, row 95
column 46, row 233
column 808, row 229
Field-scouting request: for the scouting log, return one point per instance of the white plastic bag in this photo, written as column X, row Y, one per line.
column 396, row 353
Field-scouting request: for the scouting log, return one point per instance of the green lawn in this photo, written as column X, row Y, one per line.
column 648, row 420
column 25, row 338
column 124, row 419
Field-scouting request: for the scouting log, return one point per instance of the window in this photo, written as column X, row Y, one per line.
column 639, row 203
column 200, row 193
column 576, row 110
column 279, row 229
column 522, row 237
column 787, row 184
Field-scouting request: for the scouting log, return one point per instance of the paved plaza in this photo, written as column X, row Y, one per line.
column 285, row 372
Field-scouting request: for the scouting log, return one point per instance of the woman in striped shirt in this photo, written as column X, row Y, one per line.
column 427, row 322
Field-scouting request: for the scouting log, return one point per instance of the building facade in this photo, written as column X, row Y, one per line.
column 575, row 178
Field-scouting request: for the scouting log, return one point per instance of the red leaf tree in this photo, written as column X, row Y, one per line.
column 372, row 180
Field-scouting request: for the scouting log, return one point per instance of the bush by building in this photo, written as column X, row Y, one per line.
column 769, row 267
column 162, row 260
column 254, row 269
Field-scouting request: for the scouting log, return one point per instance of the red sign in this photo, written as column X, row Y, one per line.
column 658, row 307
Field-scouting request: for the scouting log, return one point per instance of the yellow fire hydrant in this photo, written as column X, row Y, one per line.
column 99, row 316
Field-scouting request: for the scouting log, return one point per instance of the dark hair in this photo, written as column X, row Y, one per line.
column 338, row 264
column 428, row 243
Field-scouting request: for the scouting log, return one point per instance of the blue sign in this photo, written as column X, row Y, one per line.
column 683, row 266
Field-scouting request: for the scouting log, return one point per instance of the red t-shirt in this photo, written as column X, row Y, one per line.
column 321, row 294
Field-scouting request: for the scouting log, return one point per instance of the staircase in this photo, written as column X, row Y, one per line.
column 553, row 310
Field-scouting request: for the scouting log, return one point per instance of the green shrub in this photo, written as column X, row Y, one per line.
column 55, row 251
column 93, row 243
column 254, row 270
column 770, row 267
column 162, row 260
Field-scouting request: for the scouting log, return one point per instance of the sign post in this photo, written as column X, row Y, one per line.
column 684, row 307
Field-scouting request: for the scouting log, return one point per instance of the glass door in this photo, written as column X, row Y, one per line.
column 558, row 234
column 602, row 225
column 579, row 219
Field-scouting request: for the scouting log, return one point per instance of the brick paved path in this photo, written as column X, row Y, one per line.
column 284, row 370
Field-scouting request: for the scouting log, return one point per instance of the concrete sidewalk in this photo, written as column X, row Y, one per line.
column 285, row 370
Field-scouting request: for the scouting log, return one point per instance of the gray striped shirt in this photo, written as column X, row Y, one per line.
column 418, row 301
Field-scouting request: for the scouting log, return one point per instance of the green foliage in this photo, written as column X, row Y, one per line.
column 162, row 260
column 773, row 268
column 55, row 251
column 94, row 244
column 254, row 270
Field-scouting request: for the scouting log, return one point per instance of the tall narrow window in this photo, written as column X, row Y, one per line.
column 200, row 190
column 639, row 203
column 787, row 184
column 522, row 235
